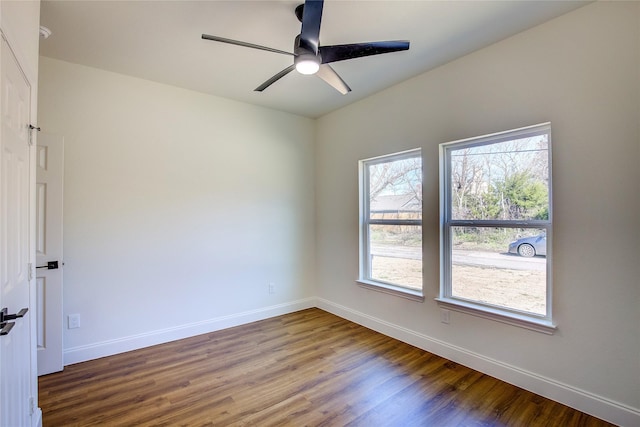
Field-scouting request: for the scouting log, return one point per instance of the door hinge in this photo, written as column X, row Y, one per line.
column 32, row 406
column 31, row 271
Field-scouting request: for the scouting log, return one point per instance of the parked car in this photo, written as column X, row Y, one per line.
column 529, row 246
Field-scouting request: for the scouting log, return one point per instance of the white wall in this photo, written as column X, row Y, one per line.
column 180, row 208
column 579, row 71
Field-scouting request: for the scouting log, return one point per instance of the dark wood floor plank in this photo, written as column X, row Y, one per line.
column 305, row 368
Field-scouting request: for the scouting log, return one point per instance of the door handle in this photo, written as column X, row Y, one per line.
column 6, row 328
column 4, row 316
column 51, row 265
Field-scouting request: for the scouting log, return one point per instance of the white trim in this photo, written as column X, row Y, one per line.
column 574, row 397
column 134, row 342
column 522, row 320
column 36, row 417
column 502, row 136
column 398, row 291
column 504, row 314
column 384, row 158
column 364, row 249
column 24, row 65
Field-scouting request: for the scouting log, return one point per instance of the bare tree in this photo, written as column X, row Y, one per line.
column 478, row 171
column 467, row 177
column 398, row 177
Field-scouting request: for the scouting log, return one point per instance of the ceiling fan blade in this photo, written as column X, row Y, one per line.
column 245, row 44
column 275, row 78
column 357, row 50
column 330, row 76
column 311, row 17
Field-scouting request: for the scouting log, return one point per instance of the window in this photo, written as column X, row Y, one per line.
column 391, row 224
column 495, row 206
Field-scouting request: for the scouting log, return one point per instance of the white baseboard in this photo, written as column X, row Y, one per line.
column 581, row 400
column 134, row 342
column 36, row 418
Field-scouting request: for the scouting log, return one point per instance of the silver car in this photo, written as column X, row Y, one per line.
column 529, row 246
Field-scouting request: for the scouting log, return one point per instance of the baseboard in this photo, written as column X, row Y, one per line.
column 36, row 418
column 581, row 400
column 134, row 342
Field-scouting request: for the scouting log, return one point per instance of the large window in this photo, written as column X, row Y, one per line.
column 391, row 223
column 495, row 202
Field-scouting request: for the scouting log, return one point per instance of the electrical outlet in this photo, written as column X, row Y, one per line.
column 73, row 321
column 445, row 316
column 272, row 288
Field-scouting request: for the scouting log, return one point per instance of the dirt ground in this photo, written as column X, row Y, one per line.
column 517, row 289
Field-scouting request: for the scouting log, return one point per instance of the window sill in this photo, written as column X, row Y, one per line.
column 520, row 320
column 386, row 288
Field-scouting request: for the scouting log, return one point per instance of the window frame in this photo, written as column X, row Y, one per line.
column 541, row 323
column 364, row 275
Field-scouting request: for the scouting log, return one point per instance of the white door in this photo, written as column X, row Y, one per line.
column 49, row 171
column 15, row 354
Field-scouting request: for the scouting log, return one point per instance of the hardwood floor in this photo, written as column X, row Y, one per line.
column 308, row 368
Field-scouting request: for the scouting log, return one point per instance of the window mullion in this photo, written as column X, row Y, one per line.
column 497, row 223
column 417, row 222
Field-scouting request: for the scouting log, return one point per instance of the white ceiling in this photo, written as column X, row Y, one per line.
column 161, row 41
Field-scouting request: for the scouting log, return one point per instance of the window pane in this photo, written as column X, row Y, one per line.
column 504, row 267
column 395, row 189
column 396, row 255
column 501, row 181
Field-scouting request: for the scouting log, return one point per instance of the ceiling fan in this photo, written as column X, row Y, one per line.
column 311, row 58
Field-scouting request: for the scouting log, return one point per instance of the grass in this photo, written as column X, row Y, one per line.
column 522, row 290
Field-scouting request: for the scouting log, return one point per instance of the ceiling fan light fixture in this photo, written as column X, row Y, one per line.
column 307, row 64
